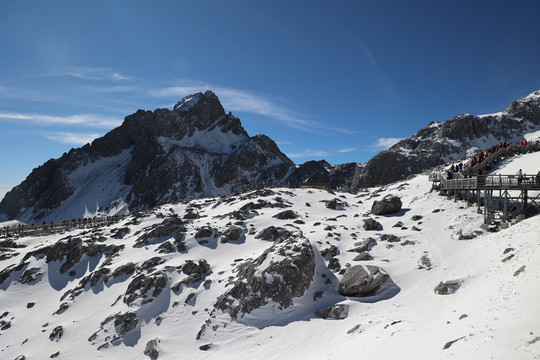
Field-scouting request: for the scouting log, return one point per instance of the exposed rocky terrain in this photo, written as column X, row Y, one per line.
column 261, row 271
column 441, row 142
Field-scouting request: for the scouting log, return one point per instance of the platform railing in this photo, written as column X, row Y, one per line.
column 469, row 171
column 47, row 228
column 495, row 182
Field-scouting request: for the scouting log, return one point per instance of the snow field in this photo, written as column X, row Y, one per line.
column 492, row 315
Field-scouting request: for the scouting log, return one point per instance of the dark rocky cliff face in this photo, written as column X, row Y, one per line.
column 439, row 143
column 192, row 151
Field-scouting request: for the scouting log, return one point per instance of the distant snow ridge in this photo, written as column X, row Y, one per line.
column 441, row 142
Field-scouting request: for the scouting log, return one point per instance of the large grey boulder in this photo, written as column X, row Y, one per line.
column 390, row 204
column 361, row 280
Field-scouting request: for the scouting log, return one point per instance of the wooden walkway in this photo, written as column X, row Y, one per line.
column 500, row 194
column 58, row 227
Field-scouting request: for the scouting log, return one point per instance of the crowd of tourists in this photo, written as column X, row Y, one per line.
column 479, row 157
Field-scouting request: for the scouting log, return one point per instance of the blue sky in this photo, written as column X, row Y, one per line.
column 335, row 80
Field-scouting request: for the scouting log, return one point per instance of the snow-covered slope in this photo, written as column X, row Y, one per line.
column 158, row 281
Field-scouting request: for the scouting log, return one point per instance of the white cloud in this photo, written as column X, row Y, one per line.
column 90, row 120
column 118, row 76
column 91, row 73
column 308, row 153
column 250, row 102
column 347, row 150
column 385, row 143
column 235, row 100
column 176, row 91
column 72, row 138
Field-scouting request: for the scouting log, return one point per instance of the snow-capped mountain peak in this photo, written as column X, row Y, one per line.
column 188, row 102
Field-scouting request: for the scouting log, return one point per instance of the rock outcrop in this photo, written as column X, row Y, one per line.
column 283, row 272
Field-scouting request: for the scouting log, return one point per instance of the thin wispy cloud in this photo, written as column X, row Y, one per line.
column 308, row 153
column 273, row 109
column 119, row 77
column 89, row 120
column 27, row 94
column 368, row 54
column 385, row 143
column 175, row 91
column 72, row 138
column 249, row 102
column 90, row 73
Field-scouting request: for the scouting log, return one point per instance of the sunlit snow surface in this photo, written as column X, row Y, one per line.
column 494, row 314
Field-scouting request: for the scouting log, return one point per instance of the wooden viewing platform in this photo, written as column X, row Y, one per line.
column 488, row 182
column 514, row 192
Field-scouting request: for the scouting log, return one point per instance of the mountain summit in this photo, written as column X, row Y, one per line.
column 195, row 150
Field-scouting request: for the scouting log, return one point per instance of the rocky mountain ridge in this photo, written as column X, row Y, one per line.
column 441, row 142
column 195, row 150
